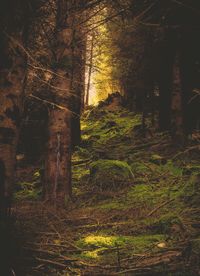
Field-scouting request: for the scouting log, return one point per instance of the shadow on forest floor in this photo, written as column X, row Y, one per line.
column 135, row 209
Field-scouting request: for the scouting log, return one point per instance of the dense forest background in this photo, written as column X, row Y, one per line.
column 99, row 137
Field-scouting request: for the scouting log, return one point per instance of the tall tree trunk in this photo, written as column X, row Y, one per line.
column 190, row 46
column 177, row 116
column 58, row 160
column 83, row 75
column 165, row 79
column 12, row 76
column 78, row 77
column 90, row 70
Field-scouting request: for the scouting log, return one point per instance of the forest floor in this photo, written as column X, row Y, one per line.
column 135, row 208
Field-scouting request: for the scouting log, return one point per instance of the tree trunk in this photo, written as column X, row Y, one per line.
column 83, row 75
column 87, row 96
column 12, row 76
column 58, row 159
column 78, row 77
column 177, row 116
column 165, row 79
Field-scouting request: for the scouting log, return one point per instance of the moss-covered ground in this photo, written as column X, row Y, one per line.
column 135, row 209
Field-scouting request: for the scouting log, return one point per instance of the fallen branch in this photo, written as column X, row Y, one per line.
column 61, row 265
column 160, row 206
column 147, row 264
column 144, row 269
column 186, row 151
column 51, row 253
column 64, row 247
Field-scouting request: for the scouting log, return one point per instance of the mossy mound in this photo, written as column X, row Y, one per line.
column 110, row 174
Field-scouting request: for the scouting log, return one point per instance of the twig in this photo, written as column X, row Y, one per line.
column 51, row 262
column 76, row 249
column 186, row 151
column 132, row 270
column 53, row 254
column 160, row 206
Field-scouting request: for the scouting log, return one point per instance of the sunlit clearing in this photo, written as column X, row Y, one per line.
column 101, row 79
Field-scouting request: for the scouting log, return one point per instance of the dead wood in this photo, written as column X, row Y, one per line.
column 160, row 206
column 55, row 263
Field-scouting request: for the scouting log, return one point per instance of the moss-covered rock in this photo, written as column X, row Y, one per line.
column 110, row 174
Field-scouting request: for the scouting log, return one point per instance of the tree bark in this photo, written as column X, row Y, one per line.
column 167, row 51
column 58, row 160
column 78, row 76
column 12, row 76
column 177, row 115
column 87, row 96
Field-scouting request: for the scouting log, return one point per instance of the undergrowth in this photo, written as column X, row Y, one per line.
column 142, row 193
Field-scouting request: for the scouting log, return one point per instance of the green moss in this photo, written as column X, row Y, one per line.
column 171, row 168
column 157, row 159
column 141, row 168
column 191, row 191
column 111, row 205
column 164, row 223
column 196, row 245
column 80, row 154
column 190, row 169
column 31, row 189
column 98, row 243
column 110, row 174
column 110, row 126
column 28, row 191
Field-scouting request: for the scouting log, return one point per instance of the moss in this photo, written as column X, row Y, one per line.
column 190, row 169
column 28, row 191
column 141, row 168
column 191, row 191
column 157, row 159
column 171, row 168
column 110, row 174
column 110, row 127
column 80, row 154
column 111, row 205
column 98, row 243
column 31, row 189
column 165, row 222
column 196, row 245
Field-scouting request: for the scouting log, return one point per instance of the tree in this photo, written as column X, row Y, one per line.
column 65, row 95
column 14, row 18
